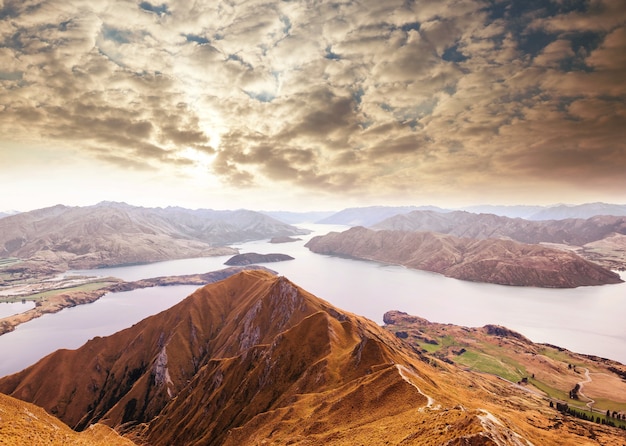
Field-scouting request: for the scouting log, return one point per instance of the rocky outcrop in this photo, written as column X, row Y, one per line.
column 503, row 262
column 252, row 257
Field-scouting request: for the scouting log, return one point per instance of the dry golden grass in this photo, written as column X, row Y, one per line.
column 26, row 424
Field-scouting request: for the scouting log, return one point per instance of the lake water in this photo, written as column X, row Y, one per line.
column 586, row 319
column 11, row 308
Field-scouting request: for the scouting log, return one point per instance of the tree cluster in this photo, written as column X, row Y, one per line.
column 564, row 408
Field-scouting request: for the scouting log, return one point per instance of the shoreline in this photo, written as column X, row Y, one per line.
column 69, row 299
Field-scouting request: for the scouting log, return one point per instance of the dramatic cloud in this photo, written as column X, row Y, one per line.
column 374, row 99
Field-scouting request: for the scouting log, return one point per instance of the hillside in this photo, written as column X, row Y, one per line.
column 115, row 233
column 254, row 359
column 503, row 262
column 577, row 234
column 540, row 368
column 26, row 424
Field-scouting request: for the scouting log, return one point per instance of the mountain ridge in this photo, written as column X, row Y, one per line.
column 109, row 234
column 600, row 239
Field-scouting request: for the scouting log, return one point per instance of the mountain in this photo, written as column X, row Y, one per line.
column 298, row 217
column 480, row 226
column 572, row 233
column 583, row 211
column 8, row 213
column 368, row 216
column 116, row 233
column 254, row 359
column 503, row 262
column 517, row 211
column 26, row 424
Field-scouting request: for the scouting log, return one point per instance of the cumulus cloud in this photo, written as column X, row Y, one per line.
column 369, row 96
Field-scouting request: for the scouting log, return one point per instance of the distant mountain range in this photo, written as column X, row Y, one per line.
column 503, row 262
column 588, row 210
column 601, row 239
column 116, row 233
column 298, row 217
column 369, row 216
column 481, row 226
column 277, row 365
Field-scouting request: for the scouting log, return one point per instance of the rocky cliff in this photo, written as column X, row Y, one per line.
column 503, row 262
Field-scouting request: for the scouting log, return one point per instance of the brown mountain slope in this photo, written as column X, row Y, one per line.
column 256, row 360
column 498, row 261
column 23, row 423
column 572, row 232
column 116, row 233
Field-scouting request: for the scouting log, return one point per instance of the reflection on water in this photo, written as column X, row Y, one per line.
column 586, row 319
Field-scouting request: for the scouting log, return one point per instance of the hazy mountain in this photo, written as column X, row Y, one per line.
column 254, row 359
column 298, row 217
column 8, row 213
column 117, row 233
column 584, row 211
column 518, row 211
column 368, row 216
column 504, row 262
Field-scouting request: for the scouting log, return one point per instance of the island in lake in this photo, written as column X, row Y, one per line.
column 249, row 258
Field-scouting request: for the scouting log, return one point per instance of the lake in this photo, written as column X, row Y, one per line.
column 586, row 319
column 11, row 308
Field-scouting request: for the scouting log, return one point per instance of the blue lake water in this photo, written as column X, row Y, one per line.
column 586, row 319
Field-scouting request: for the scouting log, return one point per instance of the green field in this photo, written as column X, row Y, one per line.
column 501, row 366
column 40, row 296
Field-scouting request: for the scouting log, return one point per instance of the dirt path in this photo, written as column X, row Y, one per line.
column 580, row 389
column 404, row 373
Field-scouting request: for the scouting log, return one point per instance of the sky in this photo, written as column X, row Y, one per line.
column 312, row 104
